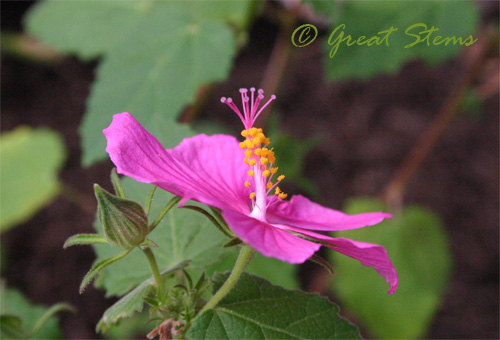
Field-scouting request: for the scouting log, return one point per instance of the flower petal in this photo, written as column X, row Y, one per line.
column 202, row 168
column 369, row 254
column 303, row 213
column 269, row 240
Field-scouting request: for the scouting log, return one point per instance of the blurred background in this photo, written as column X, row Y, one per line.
column 413, row 132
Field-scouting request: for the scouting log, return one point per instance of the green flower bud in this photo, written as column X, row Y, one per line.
column 125, row 222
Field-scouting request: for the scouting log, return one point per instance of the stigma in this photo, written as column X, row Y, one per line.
column 257, row 154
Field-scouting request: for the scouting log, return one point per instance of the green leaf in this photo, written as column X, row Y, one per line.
column 93, row 28
column 182, row 235
column 84, row 239
column 13, row 303
column 30, row 160
column 96, row 268
column 171, row 56
column 125, row 307
column 11, row 327
column 131, row 303
column 367, row 18
column 156, row 56
column 86, row 28
column 255, row 309
column 418, row 247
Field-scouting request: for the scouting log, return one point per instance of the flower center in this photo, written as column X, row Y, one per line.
column 258, row 157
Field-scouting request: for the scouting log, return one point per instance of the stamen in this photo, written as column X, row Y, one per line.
column 251, row 173
column 247, row 184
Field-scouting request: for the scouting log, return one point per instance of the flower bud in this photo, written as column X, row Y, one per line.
column 125, row 222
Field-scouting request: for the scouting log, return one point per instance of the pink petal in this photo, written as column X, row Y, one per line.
column 303, row 213
column 370, row 255
column 269, row 240
column 202, row 168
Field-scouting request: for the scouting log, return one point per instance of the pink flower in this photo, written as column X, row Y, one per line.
column 238, row 178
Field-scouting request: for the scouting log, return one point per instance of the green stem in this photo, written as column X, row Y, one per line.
column 164, row 211
column 246, row 255
column 154, row 268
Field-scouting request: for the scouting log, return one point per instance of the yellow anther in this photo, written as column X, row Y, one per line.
column 269, row 185
column 253, row 131
column 259, row 130
column 252, row 162
column 245, row 160
column 266, row 173
column 263, row 160
column 272, row 159
column 282, row 195
column 277, row 191
column 243, row 145
column 252, row 195
column 261, row 136
column 248, row 144
column 257, row 151
column 247, row 184
column 251, row 173
column 266, row 141
column 248, row 153
column 257, row 140
column 274, row 170
column 280, row 178
column 244, row 133
column 264, row 152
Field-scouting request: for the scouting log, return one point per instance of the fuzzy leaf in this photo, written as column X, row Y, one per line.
column 30, row 161
column 255, row 309
column 418, row 247
column 182, row 235
column 84, row 239
column 96, row 268
column 132, row 302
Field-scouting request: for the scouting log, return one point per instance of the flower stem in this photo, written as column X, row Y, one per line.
column 246, row 255
column 154, row 268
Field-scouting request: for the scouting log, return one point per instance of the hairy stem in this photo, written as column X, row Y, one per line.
column 246, row 255
column 154, row 268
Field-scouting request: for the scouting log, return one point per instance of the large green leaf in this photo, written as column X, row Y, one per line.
column 86, row 28
column 418, row 247
column 367, row 18
column 93, row 28
column 182, row 235
column 13, row 303
column 29, row 163
column 255, row 309
column 156, row 75
column 156, row 56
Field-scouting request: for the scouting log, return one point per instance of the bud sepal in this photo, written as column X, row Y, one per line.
column 124, row 221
